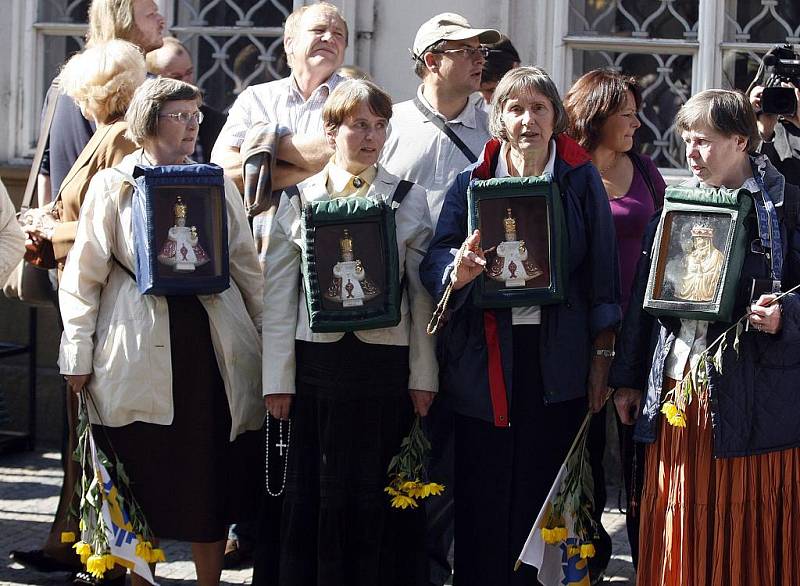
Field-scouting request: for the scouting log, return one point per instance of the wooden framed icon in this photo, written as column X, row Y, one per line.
column 523, row 235
column 180, row 230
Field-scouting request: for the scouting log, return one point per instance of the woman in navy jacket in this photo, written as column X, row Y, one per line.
column 532, row 367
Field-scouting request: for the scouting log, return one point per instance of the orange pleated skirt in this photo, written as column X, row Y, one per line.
column 717, row 522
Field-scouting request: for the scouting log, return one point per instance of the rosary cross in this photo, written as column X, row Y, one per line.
column 281, row 445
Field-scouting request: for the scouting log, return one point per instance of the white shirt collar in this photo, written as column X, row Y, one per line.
column 502, row 163
column 465, row 117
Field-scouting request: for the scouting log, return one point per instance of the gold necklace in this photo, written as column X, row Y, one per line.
column 611, row 165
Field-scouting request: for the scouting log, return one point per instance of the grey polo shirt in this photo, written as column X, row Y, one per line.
column 418, row 151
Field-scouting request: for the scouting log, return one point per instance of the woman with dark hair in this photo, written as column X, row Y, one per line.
column 722, row 490
column 602, row 106
column 519, row 378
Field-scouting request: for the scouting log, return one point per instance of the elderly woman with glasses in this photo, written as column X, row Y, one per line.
column 519, row 378
column 174, row 381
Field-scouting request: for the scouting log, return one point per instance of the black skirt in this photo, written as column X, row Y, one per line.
column 503, row 475
column 350, row 413
column 189, row 479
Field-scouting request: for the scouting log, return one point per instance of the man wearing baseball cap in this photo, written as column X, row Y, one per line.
column 432, row 138
column 443, row 129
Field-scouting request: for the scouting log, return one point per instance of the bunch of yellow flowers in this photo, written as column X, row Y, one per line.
column 406, row 471
column 674, row 415
column 405, row 493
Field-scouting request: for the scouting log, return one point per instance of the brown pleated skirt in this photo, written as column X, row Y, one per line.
column 717, row 522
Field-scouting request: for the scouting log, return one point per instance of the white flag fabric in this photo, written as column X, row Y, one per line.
column 121, row 538
column 559, row 564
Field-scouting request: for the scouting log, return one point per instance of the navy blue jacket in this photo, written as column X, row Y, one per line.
column 754, row 406
column 568, row 329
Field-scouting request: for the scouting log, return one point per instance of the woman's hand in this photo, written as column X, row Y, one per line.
column 598, row 382
column 422, row 401
column 77, row 382
column 33, row 238
column 628, row 403
column 279, row 405
column 765, row 317
column 472, row 262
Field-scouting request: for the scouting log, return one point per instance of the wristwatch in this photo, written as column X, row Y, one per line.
column 605, row 353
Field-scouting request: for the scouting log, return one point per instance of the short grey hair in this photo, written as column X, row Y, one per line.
column 520, row 81
column 149, row 98
column 728, row 112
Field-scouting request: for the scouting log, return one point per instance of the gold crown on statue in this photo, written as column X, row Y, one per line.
column 346, row 243
column 703, row 230
column 509, row 223
column 180, row 208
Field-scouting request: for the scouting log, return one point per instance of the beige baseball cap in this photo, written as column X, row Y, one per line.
column 449, row 26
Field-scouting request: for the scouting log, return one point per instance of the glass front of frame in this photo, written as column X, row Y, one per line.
column 187, row 224
column 351, row 265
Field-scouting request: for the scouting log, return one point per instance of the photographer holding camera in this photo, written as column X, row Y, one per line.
column 774, row 95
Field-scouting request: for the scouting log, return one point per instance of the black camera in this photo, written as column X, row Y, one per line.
column 782, row 65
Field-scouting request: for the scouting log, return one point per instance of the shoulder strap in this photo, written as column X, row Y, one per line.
column 402, row 190
column 637, row 162
column 123, row 267
column 440, row 124
column 44, row 136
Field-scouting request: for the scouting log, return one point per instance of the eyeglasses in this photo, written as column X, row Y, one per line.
column 471, row 52
column 184, row 117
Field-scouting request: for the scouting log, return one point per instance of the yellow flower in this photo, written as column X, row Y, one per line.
column 669, row 409
column 82, row 549
column 573, row 550
column 67, row 537
column 678, row 420
column 547, row 535
column 82, row 525
column 144, row 550
column 109, row 561
column 402, row 501
column 410, row 487
column 434, row 489
column 391, row 491
column 587, row 550
column 96, row 565
column 554, row 535
column 157, row 555
column 561, row 533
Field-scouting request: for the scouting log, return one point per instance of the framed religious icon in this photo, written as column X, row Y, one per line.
column 180, row 227
column 350, row 265
column 698, row 252
column 523, row 235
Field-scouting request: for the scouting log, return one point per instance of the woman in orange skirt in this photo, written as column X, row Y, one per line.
column 721, row 499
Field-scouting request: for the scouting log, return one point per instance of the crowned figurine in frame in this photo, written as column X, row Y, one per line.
column 350, row 285
column 704, row 265
column 181, row 249
column 512, row 264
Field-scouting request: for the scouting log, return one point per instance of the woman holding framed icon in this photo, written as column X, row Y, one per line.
column 519, row 377
column 721, row 494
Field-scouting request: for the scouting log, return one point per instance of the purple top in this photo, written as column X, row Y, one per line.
column 632, row 212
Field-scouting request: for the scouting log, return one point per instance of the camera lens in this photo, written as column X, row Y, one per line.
column 778, row 100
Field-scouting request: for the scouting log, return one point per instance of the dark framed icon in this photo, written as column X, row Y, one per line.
column 698, row 253
column 350, row 265
column 524, row 237
column 180, row 226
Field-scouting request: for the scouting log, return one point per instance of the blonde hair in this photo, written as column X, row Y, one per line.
column 110, row 19
column 348, row 96
column 142, row 115
column 102, row 78
column 158, row 58
column 290, row 27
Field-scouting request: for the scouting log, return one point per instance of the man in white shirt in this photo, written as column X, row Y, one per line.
column 432, row 138
column 315, row 38
column 449, row 58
